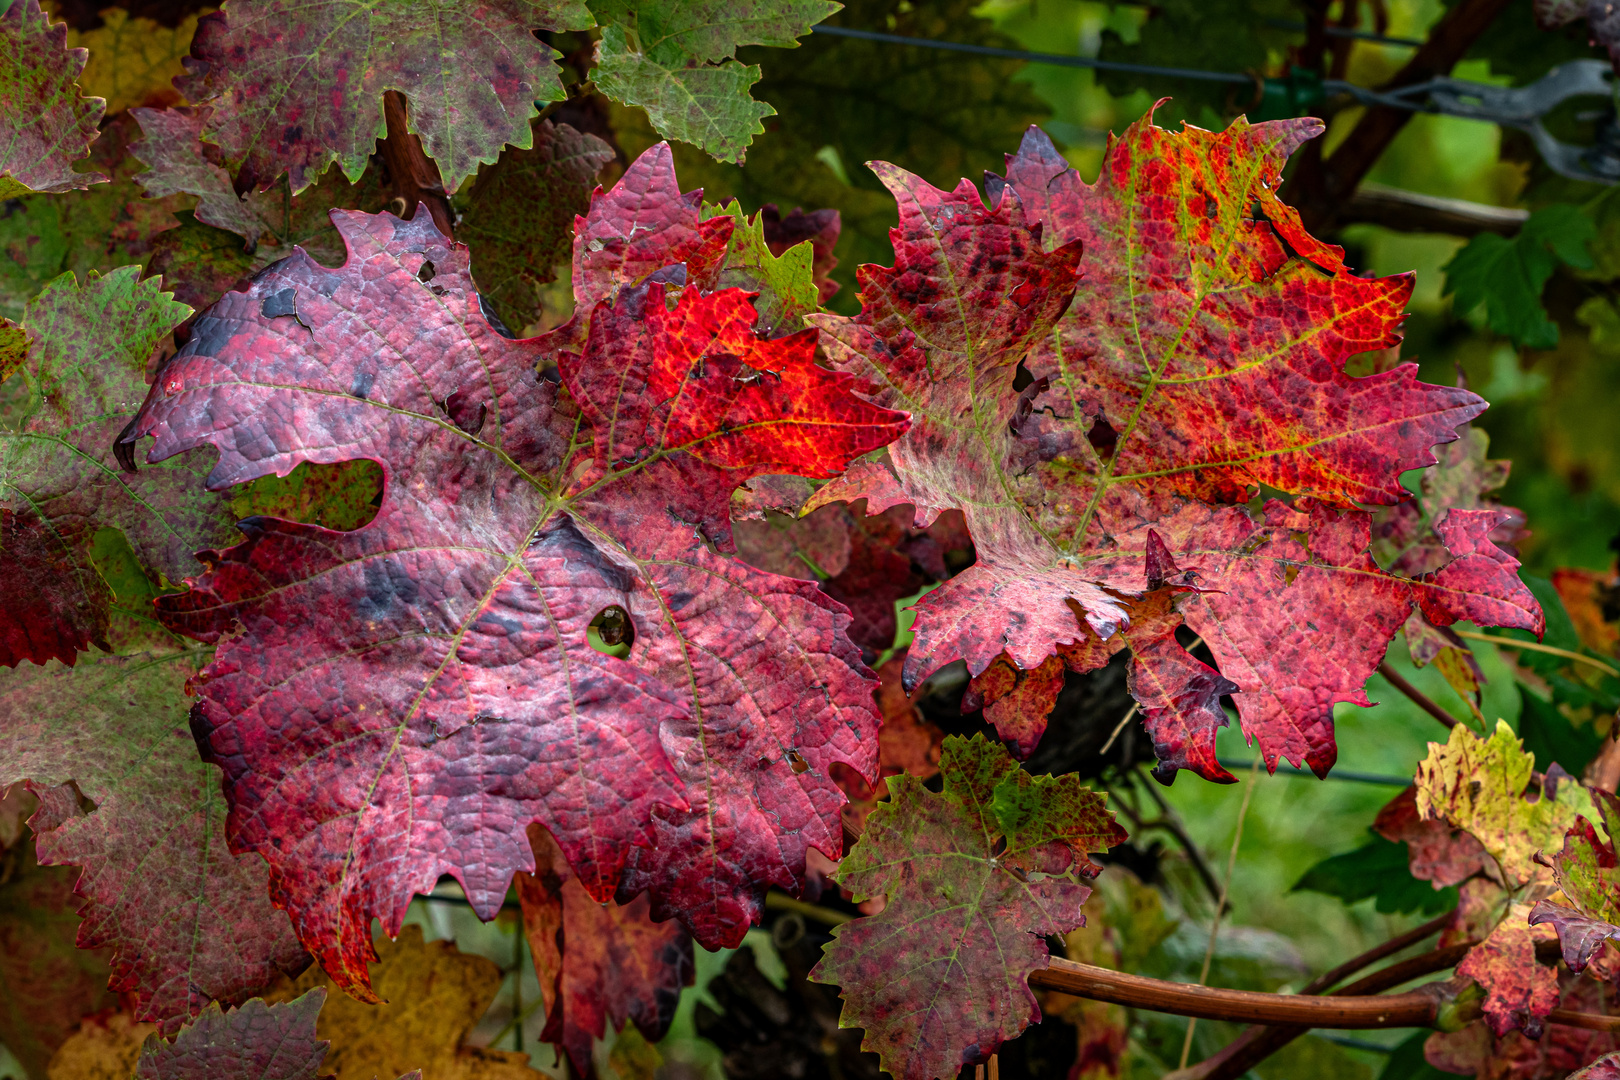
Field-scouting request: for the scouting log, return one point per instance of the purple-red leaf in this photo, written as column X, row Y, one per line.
column 404, row 700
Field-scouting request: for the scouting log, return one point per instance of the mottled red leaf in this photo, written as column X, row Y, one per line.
column 186, row 921
column 973, row 877
column 1439, row 852
column 1606, row 1067
column 645, row 224
column 1201, row 357
column 599, row 965
column 297, row 86
column 254, row 1041
column 1519, row 993
column 1475, row 1051
column 435, row 689
column 45, row 122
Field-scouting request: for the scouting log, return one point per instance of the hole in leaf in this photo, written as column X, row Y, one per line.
column 342, row 496
column 799, row 764
column 612, row 632
column 426, row 273
column 1102, row 437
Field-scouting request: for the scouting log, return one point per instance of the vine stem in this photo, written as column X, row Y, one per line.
column 1220, row 905
column 1414, row 1008
column 1419, row 698
column 1536, row 646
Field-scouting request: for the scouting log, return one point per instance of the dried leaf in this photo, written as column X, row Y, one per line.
column 432, row 995
column 600, row 967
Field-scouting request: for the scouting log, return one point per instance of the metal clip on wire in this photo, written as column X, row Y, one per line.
column 1521, row 107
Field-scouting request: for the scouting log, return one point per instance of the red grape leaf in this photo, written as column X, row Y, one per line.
column 599, row 965
column 186, row 921
column 1519, row 993
column 973, row 877
column 1585, row 872
column 1479, row 785
column 1438, row 851
column 59, row 418
column 644, row 224
column 457, row 621
column 48, row 124
column 1579, row 935
column 1201, row 357
column 171, row 147
column 1606, row 1067
column 254, row 1041
column 1474, row 1051
column 296, row 87
column 519, row 220
column 49, row 984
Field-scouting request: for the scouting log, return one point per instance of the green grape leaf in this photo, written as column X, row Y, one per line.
column 1507, row 275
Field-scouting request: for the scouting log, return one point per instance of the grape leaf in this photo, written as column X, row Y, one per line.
column 1507, row 274
column 48, row 124
column 973, row 878
column 1519, row 993
column 1378, row 869
column 1606, row 1067
column 1198, row 359
column 818, row 228
column 675, row 58
column 519, row 220
column 1479, row 785
column 133, row 60
column 1579, row 935
column 785, row 281
column 296, row 87
column 49, row 984
column 433, row 995
column 600, row 966
column 514, row 513
column 59, row 418
column 1438, row 852
column 187, row 922
column 102, row 228
column 171, row 148
column 106, row 1047
column 252, row 1042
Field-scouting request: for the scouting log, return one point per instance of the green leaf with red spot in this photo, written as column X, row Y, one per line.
column 973, row 878
column 46, row 124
